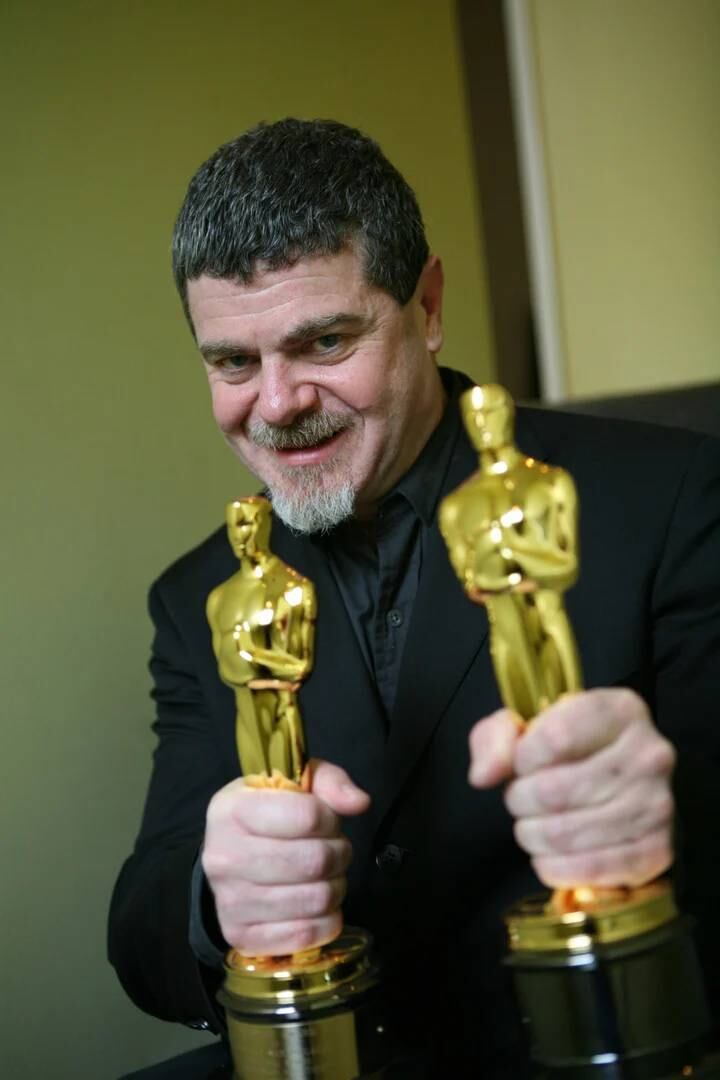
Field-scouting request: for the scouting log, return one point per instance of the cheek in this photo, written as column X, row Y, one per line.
column 230, row 405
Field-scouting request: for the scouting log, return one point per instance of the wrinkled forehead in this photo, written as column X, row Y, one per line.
column 276, row 303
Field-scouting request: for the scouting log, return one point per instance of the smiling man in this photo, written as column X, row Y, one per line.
column 321, row 383
column 302, row 264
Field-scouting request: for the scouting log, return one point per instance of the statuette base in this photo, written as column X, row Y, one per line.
column 612, row 992
column 313, row 1016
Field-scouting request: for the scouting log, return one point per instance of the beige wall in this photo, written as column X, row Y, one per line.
column 111, row 464
column 630, row 98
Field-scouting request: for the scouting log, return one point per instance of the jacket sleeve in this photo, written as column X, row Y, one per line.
column 151, row 907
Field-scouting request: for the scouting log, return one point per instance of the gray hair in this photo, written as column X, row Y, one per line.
column 295, row 188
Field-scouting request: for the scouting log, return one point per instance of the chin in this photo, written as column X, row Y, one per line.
column 312, row 508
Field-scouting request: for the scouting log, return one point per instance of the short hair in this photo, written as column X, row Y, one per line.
column 294, row 188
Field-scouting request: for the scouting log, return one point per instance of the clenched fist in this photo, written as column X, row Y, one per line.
column 276, row 862
column 589, row 787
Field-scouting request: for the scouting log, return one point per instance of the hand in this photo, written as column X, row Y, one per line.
column 276, row 862
column 589, row 787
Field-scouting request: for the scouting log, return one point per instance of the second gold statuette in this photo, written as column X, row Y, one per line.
column 607, row 979
column 316, row 1014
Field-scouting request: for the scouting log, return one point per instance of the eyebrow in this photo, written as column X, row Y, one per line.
column 304, row 331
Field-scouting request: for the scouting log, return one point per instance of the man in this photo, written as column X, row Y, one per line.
column 301, row 260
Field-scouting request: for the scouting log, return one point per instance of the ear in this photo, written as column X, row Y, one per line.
column 430, row 293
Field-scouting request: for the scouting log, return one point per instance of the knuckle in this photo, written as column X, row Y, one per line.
column 228, row 899
column 520, row 832
column 592, row 866
column 232, row 926
column 552, row 790
column 628, row 706
column 317, row 899
column 303, row 935
column 217, row 810
column 660, row 756
column 317, row 860
column 558, row 735
column 557, row 833
column 515, row 797
column 551, row 871
column 654, row 855
column 663, row 807
column 308, row 815
column 216, row 864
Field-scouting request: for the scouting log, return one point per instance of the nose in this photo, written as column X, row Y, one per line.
column 283, row 393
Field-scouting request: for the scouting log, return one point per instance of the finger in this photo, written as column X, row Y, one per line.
column 492, row 748
column 282, row 814
column 574, row 785
column 277, row 903
column 627, row 864
column 276, row 862
column 639, row 755
column 285, row 938
column 333, row 785
column 622, row 821
column 577, row 726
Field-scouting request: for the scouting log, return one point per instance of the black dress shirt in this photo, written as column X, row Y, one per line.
column 376, row 565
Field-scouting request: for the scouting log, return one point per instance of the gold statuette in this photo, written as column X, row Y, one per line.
column 510, row 530
column 587, row 961
column 317, row 1013
column 263, row 626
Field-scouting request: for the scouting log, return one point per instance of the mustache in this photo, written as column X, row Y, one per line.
column 306, row 431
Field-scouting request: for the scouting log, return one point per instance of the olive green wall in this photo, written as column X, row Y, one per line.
column 111, row 463
column 629, row 96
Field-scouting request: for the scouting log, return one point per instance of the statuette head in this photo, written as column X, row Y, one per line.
column 489, row 415
column 248, row 525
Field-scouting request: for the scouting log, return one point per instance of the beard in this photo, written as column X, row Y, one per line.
column 308, row 498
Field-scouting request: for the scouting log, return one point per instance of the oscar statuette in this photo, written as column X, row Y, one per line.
column 315, row 1015
column 607, row 979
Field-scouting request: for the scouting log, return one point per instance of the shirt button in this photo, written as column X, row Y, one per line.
column 390, row 858
column 394, row 617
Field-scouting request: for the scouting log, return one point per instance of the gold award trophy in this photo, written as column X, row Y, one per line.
column 314, row 1014
column 607, row 979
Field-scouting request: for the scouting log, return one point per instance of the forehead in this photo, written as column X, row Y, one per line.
column 276, row 299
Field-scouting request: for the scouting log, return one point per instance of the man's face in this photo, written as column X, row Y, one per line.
column 322, row 384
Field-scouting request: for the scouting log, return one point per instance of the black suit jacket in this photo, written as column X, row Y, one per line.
column 435, row 862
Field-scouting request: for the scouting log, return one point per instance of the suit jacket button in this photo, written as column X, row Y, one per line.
column 390, row 858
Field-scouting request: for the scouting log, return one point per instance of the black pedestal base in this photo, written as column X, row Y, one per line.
column 632, row 1010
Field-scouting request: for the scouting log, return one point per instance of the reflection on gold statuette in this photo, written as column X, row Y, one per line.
column 511, row 535
column 315, row 1014
column 586, row 961
column 263, row 625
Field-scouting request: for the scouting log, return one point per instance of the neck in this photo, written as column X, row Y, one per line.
column 499, row 459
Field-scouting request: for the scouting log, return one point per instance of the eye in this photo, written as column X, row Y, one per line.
column 233, row 363
column 240, row 364
column 328, row 342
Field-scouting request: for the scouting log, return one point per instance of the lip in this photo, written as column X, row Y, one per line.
column 314, row 455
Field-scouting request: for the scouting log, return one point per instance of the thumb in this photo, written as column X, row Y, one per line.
column 492, row 748
column 333, row 785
